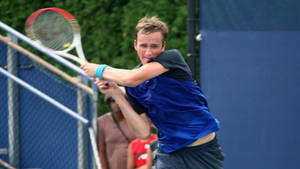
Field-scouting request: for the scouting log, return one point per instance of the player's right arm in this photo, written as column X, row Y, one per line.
column 139, row 124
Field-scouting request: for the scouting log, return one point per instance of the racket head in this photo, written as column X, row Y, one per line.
column 54, row 28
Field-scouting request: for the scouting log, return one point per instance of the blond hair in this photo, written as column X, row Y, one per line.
column 152, row 24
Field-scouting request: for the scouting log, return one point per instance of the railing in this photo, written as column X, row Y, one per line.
column 13, row 110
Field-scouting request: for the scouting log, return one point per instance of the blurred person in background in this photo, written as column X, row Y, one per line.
column 114, row 136
column 138, row 155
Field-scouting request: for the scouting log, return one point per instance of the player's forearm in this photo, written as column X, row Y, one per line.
column 122, row 76
column 133, row 77
column 138, row 125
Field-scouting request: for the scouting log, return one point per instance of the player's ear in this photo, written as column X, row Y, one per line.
column 163, row 46
column 135, row 44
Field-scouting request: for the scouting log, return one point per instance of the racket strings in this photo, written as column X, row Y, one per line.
column 53, row 30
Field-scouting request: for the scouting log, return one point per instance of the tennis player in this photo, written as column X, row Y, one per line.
column 161, row 88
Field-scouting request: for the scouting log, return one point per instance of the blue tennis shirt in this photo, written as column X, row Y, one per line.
column 177, row 107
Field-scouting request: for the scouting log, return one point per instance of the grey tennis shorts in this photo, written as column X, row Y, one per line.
column 204, row 156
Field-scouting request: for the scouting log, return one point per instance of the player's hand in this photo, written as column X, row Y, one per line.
column 103, row 85
column 108, row 87
column 89, row 68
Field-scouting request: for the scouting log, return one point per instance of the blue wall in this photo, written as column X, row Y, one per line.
column 48, row 136
column 3, row 106
column 250, row 73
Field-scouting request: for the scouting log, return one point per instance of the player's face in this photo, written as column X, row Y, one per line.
column 149, row 46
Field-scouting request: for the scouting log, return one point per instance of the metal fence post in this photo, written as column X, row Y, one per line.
column 83, row 137
column 13, row 107
column 95, row 116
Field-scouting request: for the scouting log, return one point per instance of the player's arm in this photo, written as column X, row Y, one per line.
column 139, row 124
column 136, row 76
column 127, row 77
column 130, row 158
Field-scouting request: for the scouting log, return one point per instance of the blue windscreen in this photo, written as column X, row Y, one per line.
column 250, row 73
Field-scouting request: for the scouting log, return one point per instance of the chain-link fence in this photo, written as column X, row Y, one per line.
column 36, row 133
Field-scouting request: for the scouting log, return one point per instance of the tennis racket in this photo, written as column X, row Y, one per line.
column 56, row 30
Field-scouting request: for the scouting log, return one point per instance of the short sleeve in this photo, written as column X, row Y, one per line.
column 137, row 107
column 173, row 60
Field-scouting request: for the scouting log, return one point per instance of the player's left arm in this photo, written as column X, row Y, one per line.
column 127, row 77
column 136, row 76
